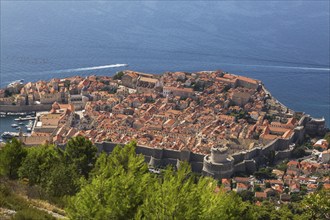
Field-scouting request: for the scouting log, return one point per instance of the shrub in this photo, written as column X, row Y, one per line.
column 32, row 214
column 11, row 157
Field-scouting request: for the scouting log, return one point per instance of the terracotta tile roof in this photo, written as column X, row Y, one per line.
column 261, row 195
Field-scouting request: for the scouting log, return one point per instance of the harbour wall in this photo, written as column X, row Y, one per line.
column 25, row 108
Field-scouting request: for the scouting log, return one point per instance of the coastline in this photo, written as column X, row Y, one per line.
column 186, row 95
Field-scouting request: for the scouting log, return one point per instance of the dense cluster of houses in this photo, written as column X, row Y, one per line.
column 299, row 178
column 174, row 110
column 179, row 111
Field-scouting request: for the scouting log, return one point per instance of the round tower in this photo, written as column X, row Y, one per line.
column 219, row 154
column 219, row 164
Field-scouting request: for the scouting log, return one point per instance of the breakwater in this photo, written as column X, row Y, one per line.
column 25, row 108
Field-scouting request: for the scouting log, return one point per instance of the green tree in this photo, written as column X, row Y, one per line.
column 119, row 75
column 267, row 211
column 62, row 180
column 81, row 153
column 264, row 173
column 177, row 195
column 11, row 157
column 222, row 205
column 174, row 196
column 8, row 93
column 327, row 138
column 37, row 164
column 257, row 188
column 298, row 152
column 46, row 166
column 317, row 205
column 282, row 166
column 121, row 187
column 116, row 189
column 246, row 195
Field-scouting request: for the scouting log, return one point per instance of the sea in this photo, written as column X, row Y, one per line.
column 284, row 44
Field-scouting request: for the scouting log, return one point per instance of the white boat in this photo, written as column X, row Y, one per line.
column 8, row 135
column 16, row 113
column 18, row 119
column 29, row 126
column 21, row 123
column 15, row 83
column 27, row 118
column 14, row 125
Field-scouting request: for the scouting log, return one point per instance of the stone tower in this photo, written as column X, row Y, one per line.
column 218, row 164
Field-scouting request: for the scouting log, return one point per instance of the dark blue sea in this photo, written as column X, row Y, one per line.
column 284, row 44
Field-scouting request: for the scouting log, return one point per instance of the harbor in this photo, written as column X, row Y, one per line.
column 12, row 124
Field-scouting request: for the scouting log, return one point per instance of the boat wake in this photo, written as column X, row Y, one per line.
column 19, row 74
column 90, row 68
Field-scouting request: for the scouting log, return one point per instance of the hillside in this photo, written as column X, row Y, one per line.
column 18, row 200
column 120, row 186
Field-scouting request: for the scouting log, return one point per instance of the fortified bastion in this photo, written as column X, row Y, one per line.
column 219, row 163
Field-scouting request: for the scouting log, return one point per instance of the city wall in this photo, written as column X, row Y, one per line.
column 25, row 108
column 157, row 157
column 245, row 161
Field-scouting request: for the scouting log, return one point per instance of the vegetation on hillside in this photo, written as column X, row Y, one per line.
column 10, row 199
column 11, row 158
column 120, row 186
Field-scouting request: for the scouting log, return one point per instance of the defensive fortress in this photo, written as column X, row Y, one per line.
column 219, row 163
column 219, row 122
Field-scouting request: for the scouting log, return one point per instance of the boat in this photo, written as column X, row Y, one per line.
column 2, row 116
column 29, row 117
column 8, row 135
column 21, row 123
column 29, row 126
column 14, row 125
column 20, row 81
column 18, row 128
column 16, row 113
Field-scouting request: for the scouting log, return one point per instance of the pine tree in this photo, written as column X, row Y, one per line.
column 11, row 157
column 81, row 153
